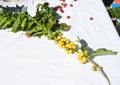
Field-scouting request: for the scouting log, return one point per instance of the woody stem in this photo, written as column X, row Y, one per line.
column 100, row 70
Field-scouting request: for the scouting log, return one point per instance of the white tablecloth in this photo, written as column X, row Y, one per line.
column 33, row 61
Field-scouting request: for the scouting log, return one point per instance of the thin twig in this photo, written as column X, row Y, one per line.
column 100, row 70
column 105, row 76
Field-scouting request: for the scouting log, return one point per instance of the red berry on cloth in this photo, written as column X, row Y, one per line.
column 60, row 9
column 56, row 7
column 28, row 35
column 71, row 5
column 68, row 17
column 63, row 0
column 91, row 18
column 64, row 5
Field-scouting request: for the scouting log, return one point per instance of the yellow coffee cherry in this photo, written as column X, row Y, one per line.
column 55, row 41
column 67, row 45
column 54, row 33
column 84, row 59
column 71, row 43
column 80, row 53
column 63, row 46
column 59, row 37
column 82, row 62
column 67, row 51
column 60, row 45
column 85, row 51
column 79, row 57
column 64, row 39
column 67, row 48
column 73, row 47
column 67, row 41
column 60, row 42
column 57, row 31
column 70, row 52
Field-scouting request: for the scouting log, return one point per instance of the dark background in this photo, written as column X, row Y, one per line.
column 107, row 2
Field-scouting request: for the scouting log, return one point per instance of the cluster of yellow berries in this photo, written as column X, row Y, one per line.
column 56, row 33
column 82, row 56
column 68, row 45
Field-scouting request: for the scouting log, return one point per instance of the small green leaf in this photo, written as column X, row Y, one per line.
column 44, row 19
column 7, row 23
column 29, row 25
column 23, row 23
column 23, row 16
column 37, row 34
column 78, row 40
column 32, row 31
column 16, row 24
column 3, row 19
column 64, row 27
column 49, row 26
column 49, row 35
column 102, row 51
column 38, row 29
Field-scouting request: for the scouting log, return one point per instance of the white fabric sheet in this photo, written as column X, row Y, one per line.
column 33, row 61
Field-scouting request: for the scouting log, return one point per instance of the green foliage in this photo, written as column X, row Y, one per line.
column 93, row 53
column 102, row 51
column 8, row 23
column 118, row 24
column 115, row 12
column 15, row 26
column 2, row 20
column 23, row 23
column 45, row 22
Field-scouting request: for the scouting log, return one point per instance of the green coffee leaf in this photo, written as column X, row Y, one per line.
column 64, row 27
column 102, row 51
column 29, row 25
column 16, row 25
column 23, row 24
column 7, row 23
column 3, row 19
column 37, row 34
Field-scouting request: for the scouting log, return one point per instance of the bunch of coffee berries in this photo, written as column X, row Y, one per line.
column 82, row 56
column 68, row 45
